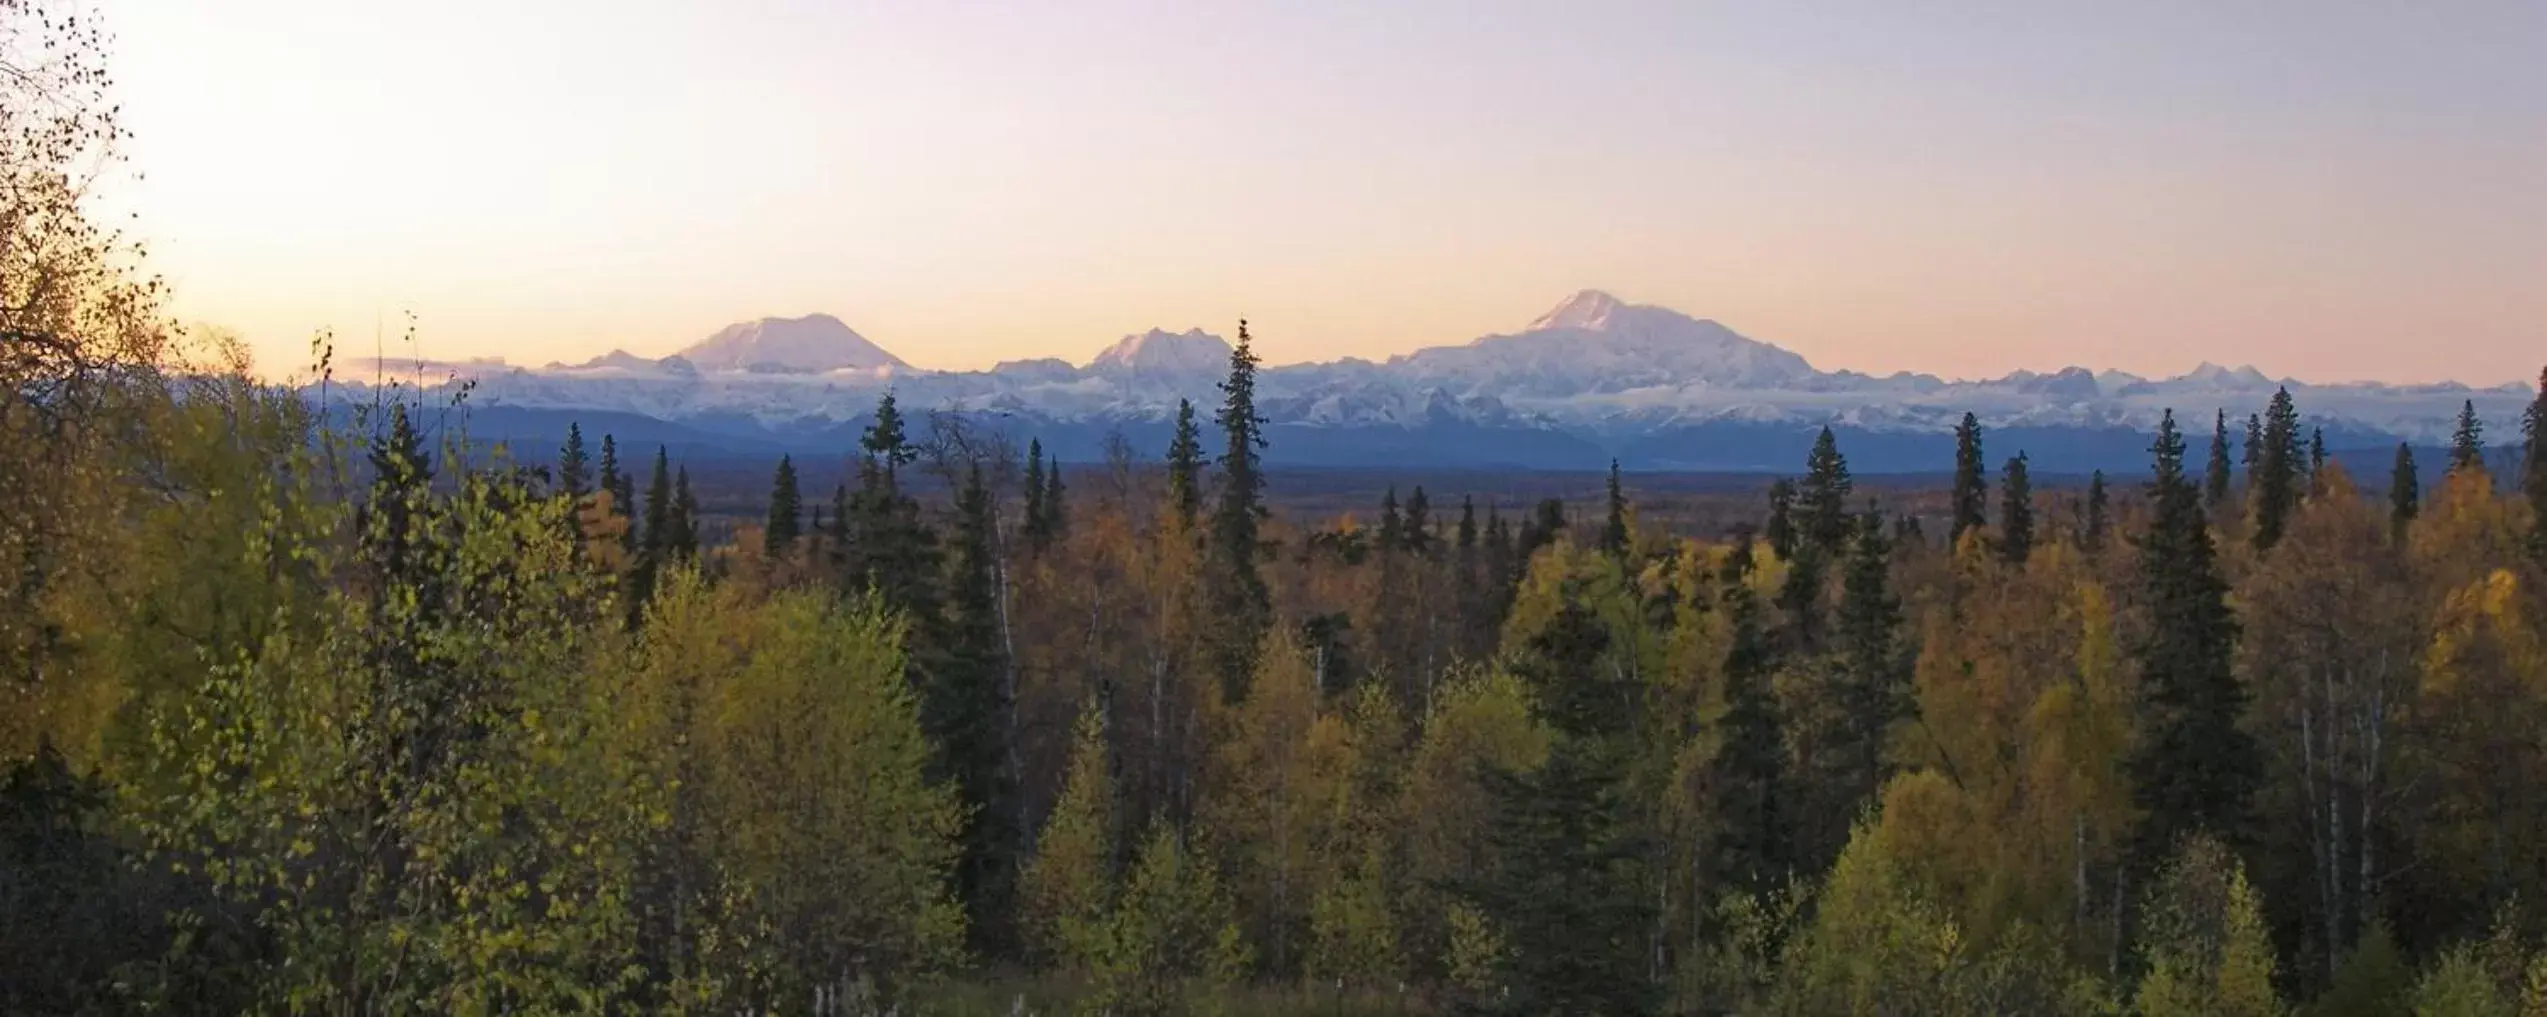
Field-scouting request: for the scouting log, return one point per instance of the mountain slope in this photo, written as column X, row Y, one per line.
column 812, row 344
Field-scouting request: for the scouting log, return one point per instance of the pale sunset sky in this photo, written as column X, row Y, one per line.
column 2330, row 190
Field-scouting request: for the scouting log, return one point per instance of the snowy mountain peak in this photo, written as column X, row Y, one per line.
column 1589, row 309
column 813, row 344
column 1161, row 352
column 2233, row 378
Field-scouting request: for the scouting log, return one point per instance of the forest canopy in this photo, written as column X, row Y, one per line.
column 337, row 713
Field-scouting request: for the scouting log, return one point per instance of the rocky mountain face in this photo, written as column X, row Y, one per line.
column 1594, row 377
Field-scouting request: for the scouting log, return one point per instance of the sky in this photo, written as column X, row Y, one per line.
column 2330, row 190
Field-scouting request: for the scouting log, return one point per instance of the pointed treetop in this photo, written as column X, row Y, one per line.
column 2467, row 443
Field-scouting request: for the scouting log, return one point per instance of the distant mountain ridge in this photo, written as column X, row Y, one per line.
column 1595, row 376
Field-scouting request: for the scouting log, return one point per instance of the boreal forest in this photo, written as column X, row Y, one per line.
column 327, row 709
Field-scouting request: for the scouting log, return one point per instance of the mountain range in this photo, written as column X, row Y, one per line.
column 1594, row 378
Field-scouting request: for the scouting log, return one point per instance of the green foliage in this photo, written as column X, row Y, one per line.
column 1068, row 889
column 390, row 783
column 2372, row 981
column 2203, row 940
column 1171, row 945
column 804, row 840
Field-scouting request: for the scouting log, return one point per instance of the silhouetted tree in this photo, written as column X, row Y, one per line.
column 2193, row 766
column 1971, row 487
column 786, row 508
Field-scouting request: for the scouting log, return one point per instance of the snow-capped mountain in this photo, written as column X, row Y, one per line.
column 1165, row 356
column 1593, row 377
column 811, row 344
column 1593, row 343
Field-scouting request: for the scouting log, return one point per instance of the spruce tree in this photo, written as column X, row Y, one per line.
column 1822, row 499
column 839, row 526
column 1392, row 531
column 622, row 486
column 2099, row 514
column 1873, row 680
column 1496, row 563
column 2316, row 456
column 2215, row 481
column 1614, row 535
column 2467, row 443
column 654, row 546
column 1545, row 525
column 1971, row 487
column 889, row 550
column 391, row 522
column 2016, row 513
column 684, row 542
column 2405, row 493
column 786, row 509
column 1235, row 590
column 1185, row 466
column 1418, row 531
column 1468, row 572
column 1747, row 848
column 1780, row 529
column 1056, row 503
column 2276, row 480
column 2533, row 475
column 1563, row 886
column 1800, row 597
column 2253, row 448
column 1032, row 528
column 2193, row 765
column 658, row 519
column 966, row 710
column 574, row 472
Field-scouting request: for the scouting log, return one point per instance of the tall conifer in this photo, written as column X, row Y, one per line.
column 2016, row 512
column 1971, row 487
column 2467, row 442
column 2533, row 475
column 2193, row 766
column 786, row 511
column 1185, row 466
column 966, row 709
column 2099, row 514
column 2405, row 493
column 1614, row 535
column 574, row 471
column 1235, row 590
column 2276, row 480
column 2215, row 481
